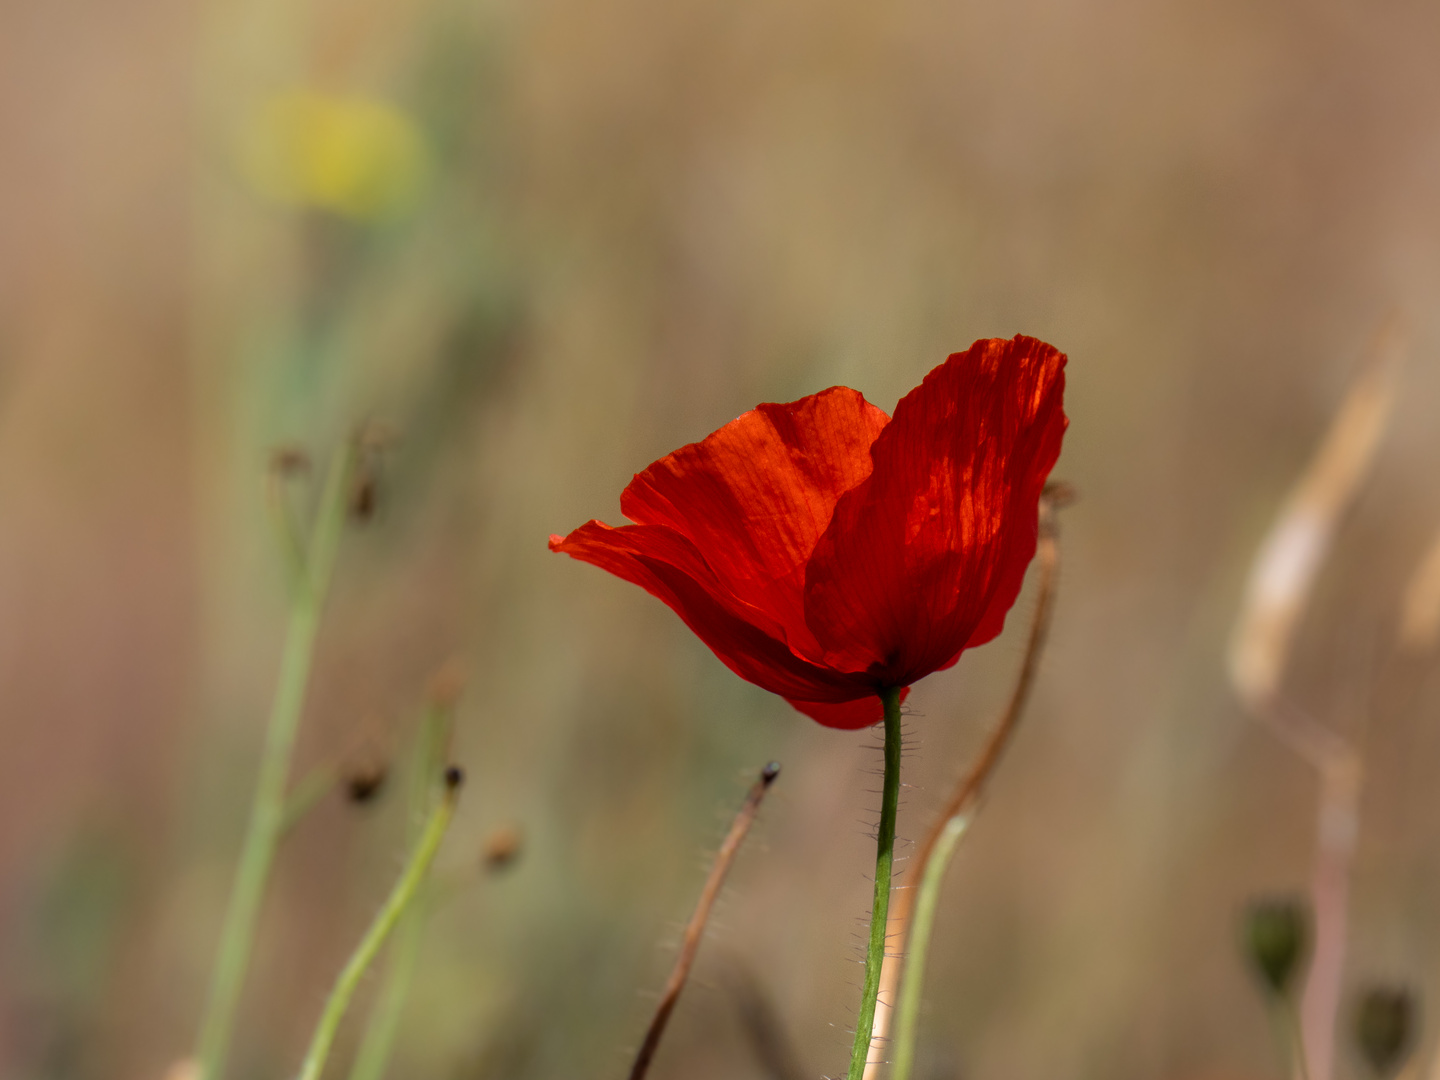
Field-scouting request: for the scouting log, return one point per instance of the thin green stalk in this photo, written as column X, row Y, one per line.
column 396, row 904
column 908, row 1012
column 884, row 860
column 1285, row 1016
column 376, row 1045
column 267, row 812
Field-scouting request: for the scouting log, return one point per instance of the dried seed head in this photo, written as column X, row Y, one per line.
column 363, row 784
column 502, row 847
column 372, row 442
column 1059, row 493
column 1277, row 941
column 1385, row 1026
column 364, row 495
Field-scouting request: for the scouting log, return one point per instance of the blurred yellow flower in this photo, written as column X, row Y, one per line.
column 354, row 156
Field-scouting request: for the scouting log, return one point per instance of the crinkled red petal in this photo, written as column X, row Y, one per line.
column 747, row 640
column 925, row 557
column 754, row 498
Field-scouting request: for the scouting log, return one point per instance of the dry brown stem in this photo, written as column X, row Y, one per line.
column 690, row 943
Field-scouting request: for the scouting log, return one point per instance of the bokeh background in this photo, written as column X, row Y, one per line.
column 546, row 243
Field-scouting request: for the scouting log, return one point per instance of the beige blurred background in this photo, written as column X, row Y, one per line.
column 632, row 221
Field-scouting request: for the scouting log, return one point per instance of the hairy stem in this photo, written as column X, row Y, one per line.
column 268, row 817
column 884, row 860
column 400, row 898
column 690, row 945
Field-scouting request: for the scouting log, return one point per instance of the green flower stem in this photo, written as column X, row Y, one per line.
column 268, row 816
column 376, row 1045
column 1285, row 1017
column 396, row 904
column 884, row 860
column 919, row 942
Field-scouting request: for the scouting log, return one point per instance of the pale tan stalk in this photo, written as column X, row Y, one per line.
column 1276, row 596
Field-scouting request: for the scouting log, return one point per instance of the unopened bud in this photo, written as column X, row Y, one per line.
column 1277, row 941
column 1385, row 1026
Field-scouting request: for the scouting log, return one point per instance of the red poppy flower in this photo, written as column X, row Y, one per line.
column 825, row 551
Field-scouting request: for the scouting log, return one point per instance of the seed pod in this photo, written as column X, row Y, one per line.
column 1385, row 1026
column 1277, row 941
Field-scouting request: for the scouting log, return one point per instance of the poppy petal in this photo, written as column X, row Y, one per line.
column 666, row 565
column 849, row 715
column 755, row 497
column 926, row 555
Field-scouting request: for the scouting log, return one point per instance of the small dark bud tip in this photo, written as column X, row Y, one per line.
column 363, row 785
column 1277, row 941
column 454, row 777
column 770, row 772
column 1385, row 1027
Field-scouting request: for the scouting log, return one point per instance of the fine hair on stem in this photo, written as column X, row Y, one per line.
column 884, row 863
column 695, row 929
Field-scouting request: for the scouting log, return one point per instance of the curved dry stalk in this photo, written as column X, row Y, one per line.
column 1420, row 610
column 967, row 792
column 1295, row 548
column 1276, row 595
column 695, row 930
